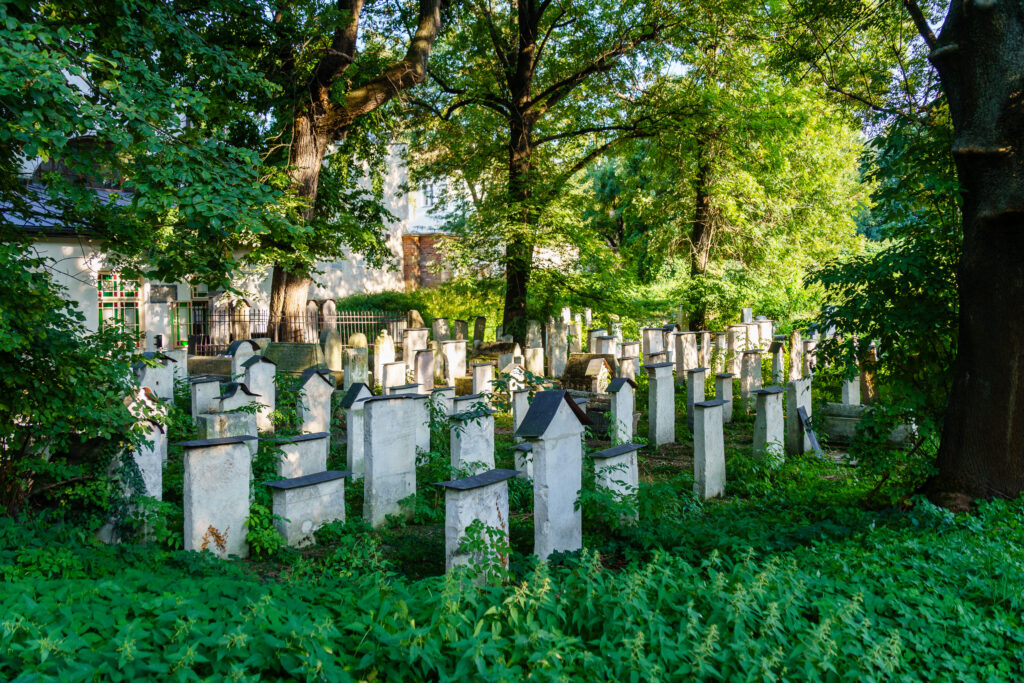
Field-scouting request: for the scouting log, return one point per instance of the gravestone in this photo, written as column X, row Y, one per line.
column 592, row 336
column 850, row 391
column 651, row 341
column 353, row 405
column 520, row 404
column 615, row 327
column 152, row 453
column 534, row 335
column 522, row 454
column 239, row 352
column 413, row 339
column 233, row 395
column 606, row 346
column 301, row 455
column 686, row 354
column 294, row 358
column 179, row 366
column 629, row 349
column 356, row 366
column 204, row 390
column 389, row 452
column 260, row 373
column 159, row 378
column 483, row 376
column 479, row 329
column 480, row 498
column 723, row 392
column 798, row 395
column 661, row 405
column 330, row 339
column 329, row 315
column 454, row 353
column 796, row 348
column 622, row 408
column 668, row 333
column 777, row 349
column 554, row 428
column 534, row 361
column 810, row 357
column 750, row 377
column 694, row 391
column 223, row 425
column 708, row 449
column 506, row 359
column 383, row 353
column 472, row 440
column 767, row 329
column 414, row 319
column 721, row 352
column 394, row 376
column 441, row 330
column 461, row 330
column 747, row 315
column 588, row 317
column 445, row 398
column 753, row 336
column 301, row 505
column 705, row 353
column 737, row 344
column 615, row 470
column 769, row 432
column 424, row 371
column 215, row 499
column 558, row 349
column 314, row 404
column 575, row 332
column 628, row 367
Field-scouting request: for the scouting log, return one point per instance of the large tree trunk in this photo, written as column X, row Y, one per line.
column 703, row 232
column 980, row 59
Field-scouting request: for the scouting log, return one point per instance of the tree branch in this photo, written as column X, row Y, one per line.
column 342, row 51
column 921, row 23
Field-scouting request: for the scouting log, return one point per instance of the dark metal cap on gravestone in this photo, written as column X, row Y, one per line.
column 725, row 375
column 257, row 359
column 308, row 480
column 618, row 383
column 621, row 449
column 299, row 438
column 222, row 441
column 229, row 389
column 478, row 480
column 234, row 346
column 776, row 345
column 325, row 375
column 710, row 404
column 542, row 411
column 693, row 371
column 659, row 365
column 770, row 390
column 354, row 393
column 524, row 447
column 295, row 358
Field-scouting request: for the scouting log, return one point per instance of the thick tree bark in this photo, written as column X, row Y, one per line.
column 980, row 59
column 703, row 232
column 319, row 121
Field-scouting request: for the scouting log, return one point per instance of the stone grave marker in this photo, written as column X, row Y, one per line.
column 796, row 347
column 520, row 404
column 750, row 376
column 304, row 504
column 389, row 452
column 239, row 352
column 383, row 353
column 737, row 344
column 223, row 425
column 661, row 404
column 330, row 340
column 622, row 407
column 445, row 397
column 394, row 375
column 483, row 376
column 159, row 378
column 414, row 319
column 694, row 391
column 294, row 358
column 479, row 329
column 260, row 372
column 440, row 329
column 798, row 395
column 301, row 455
column 233, row 395
column 686, row 354
column 356, row 366
column 769, row 433
column 454, row 353
column 352, row 404
column 205, row 390
column 413, row 339
column 810, row 357
column 723, row 392
column 708, row 449
column 778, row 349
column 461, row 330
column 314, row 404
column 482, row 497
column 615, row 469
column 628, row 367
column 424, row 371
column 472, row 440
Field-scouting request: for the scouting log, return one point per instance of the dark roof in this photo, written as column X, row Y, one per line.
column 752, row 351
column 315, row 436
column 775, row 346
column 469, row 396
column 229, row 389
column 542, row 411
column 239, row 343
column 659, row 365
column 222, row 441
column 404, row 386
column 45, row 215
column 478, row 480
column 257, row 359
column 616, row 384
column 710, row 404
column 325, row 375
column 353, row 394
column 436, row 389
column 621, row 449
column 308, row 480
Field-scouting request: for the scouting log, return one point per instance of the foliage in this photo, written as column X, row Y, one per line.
column 262, row 536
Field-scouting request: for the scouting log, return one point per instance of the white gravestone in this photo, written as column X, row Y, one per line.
column 520, row 404
column 483, row 376
column 554, row 428
column 766, row 329
column 750, row 377
column 661, row 403
column 353, row 405
column 304, row 504
column 314, row 404
column 389, row 452
column 423, row 370
column 606, row 345
column 796, row 347
column 629, row 349
column 668, row 341
column 483, row 498
column 747, row 315
column 694, row 391
column 686, row 354
column 383, row 353
column 413, row 339
column 708, row 449
column 454, row 353
column 753, row 336
column 723, row 392
column 330, row 340
column 472, row 440
column 152, row 454
column 259, row 377
column 778, row 351
column 222, row 425
column 850, row 391
column 769, row 431
column 558, row 349
column 215, row 498
column 239, row 352
column 622, row 406
column 628, row 367
column 615, row 470
column 534, row 336
column 205, row 390
column 721, row 352
column 445, row 397
column 652, row 342
column 159, row 378
column 798, row 395
column 737, row 343
column 301, row 455
column 394, row 376
column 356, row 366
column 534, row 360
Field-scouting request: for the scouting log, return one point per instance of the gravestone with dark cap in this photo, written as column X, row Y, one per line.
column 769, row 430
column 737, row 344
column 304, row 504
column 708, row 449
column 259, row 377
column 314, row 404
column 240, row 351
column 157, row 373
column 615, row 469
column 661, row 404
column 215, row 498
column 723, row 392
column 750, row 377
column 778, row 351
column 554, row 427
column 472, row 440
column 389, row 452
column 205, row 390
column 621, row 391
column 353, row 404
column 301, row 455
column 652, row 341
column 798, row 395
column 233, row 395
column 695, row 379
column 480, row 498
column 592, row 336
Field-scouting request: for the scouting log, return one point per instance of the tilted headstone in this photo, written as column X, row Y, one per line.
column 440, row 329
column 661, row 404
column 798, row 395
column 413, row 339
column 520, row 404
column 723, row 392
column 394, row 376
column 483, row 376
column 737, row 344
column 314, row 404
column 750, row 377
column 554, row 427
column 383, row 353
column 778, row 351
column 424, row 371
column 769, row 432
column 694, row 391
column 622, row 406
column 301, row 455
column 480, row 498
column 810, row 357
column 353, row 405
column 479, row 329
column 239, row 352
column 708, row 449
column 301, row 505
column 615, row 470
column 414, row 319
column 215, row 499
column 454, row 353
column 205, row 390
column 389, row 452
column 260, row 376
column 472, row 440
column 796, row 348
column 330, row 339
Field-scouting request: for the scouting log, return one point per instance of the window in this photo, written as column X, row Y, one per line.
column 120, row 304
column 191, row 319
column 429, row 194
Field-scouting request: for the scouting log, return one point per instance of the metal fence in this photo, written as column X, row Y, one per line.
column 211, row 334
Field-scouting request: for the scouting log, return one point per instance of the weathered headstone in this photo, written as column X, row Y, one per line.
column 389, row 452
column 661, row 404
column 686, row 354
column 353, row 405
column 520, row 404
column 850, row 391
column 810, row 357
column 460, row 330
column 798, row 395
column 747, row 315
column 424, row 371
column 454, row 353
column 356, row 366
column 357, row 340
column 767, row 329
column 750, row 377
column 301, row 505
column 472, row 440
column 622, row 405
column 796, row 348
column 441, row 330
column 737, row 343
column 534, row 361
column 628, row 366
column 615, row 470
column 240, row 351
column 413, row 339
column 445, row 398
column 483, row 376
column 394, row 376
column 301, row 455
column 260, row 374
column 479, row 329
column 694, row 391
column 295, row 357
column 205, row 390
column 223, row 425
column 668, row 345
column 778, row 349
column 592, row 336
column 629, row 349
column 159, row 377
column 708, row 449
column 753, row 336
column 558, row 349
column 605, row 345
column 383, row 353
column 721, row 352
column 769, row 432
column 652, row 342
column 554, row 427
column 330, row 340
column 480, row 498
column 314, row 404
column 414, row 319
column 723, row 391
column 575, row 332
column 215, row 499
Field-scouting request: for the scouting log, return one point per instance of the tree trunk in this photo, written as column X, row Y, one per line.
column 980, row 59
column 703, row 232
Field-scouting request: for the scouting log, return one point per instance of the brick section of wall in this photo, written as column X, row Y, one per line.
column 420, row 253
column 410, row 261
